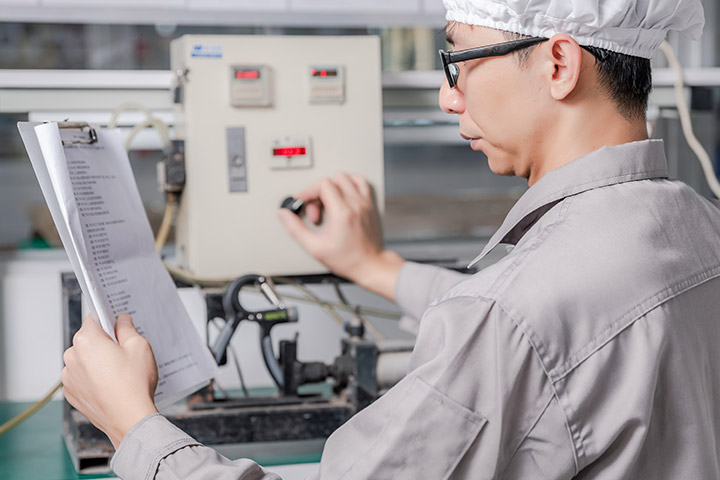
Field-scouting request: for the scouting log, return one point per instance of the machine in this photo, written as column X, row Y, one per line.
column 361, row 372
column 256, row 119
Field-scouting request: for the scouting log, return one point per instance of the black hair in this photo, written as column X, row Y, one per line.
column 627, row 80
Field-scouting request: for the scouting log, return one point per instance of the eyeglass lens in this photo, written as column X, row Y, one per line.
column 453, row 73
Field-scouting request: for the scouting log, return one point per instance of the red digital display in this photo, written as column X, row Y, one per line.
column 325, row 72
column 289, row 151
column 247, row 74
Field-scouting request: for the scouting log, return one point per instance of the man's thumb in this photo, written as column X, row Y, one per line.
column 124, row 328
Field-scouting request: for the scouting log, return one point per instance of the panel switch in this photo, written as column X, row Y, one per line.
column 237, row 167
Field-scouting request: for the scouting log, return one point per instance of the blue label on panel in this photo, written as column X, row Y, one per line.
column 204, row 50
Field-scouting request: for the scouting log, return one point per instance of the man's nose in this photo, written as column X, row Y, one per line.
column 451, row 100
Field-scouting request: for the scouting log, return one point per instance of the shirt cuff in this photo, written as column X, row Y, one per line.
column 145, row 445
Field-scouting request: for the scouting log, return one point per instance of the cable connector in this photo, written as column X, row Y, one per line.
column 171, row 170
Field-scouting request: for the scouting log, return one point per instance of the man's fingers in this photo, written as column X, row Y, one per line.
column 331, row 196
column 361, row 184
column 67, row 355
column 297, row 229
column 90, row 330
column 310, row 194
column 124, row 328
column 313, row 212
column 347, row 187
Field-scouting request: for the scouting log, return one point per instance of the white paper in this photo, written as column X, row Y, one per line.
column 94, row 201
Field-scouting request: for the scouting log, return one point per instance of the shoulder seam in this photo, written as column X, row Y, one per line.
column 631, row 316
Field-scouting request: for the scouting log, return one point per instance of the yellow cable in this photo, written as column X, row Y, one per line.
column 187, row 277
column 329, row 308
column 330, row 311
column 166, row 224
column 373, row 312
column 14, row 422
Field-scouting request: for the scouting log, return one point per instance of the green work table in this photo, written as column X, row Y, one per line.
column 35, row 449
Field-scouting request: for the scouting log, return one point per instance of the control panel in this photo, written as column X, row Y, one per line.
column 262, row 117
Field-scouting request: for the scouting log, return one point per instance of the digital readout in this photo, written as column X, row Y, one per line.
column 247, row 74
column 289, row 151
column 324, row 72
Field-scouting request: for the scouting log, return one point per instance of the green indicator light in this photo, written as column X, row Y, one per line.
column 279, row 315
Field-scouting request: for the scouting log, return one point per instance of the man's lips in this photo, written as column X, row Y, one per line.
column 474, row 141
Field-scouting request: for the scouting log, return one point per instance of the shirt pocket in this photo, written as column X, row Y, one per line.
column 425, row 437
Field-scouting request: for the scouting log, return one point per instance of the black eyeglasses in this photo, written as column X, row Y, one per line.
column 497, row 50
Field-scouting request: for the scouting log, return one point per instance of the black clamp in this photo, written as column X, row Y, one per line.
column 235, row 313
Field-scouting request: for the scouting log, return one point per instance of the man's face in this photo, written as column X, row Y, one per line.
column 498, row 103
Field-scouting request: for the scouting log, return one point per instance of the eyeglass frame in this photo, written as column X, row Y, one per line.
column 452, row 72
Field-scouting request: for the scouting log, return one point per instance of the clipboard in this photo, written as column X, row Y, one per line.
column 87, row 182
column 82, row 127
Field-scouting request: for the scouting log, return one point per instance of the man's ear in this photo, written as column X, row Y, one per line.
column 565, row 57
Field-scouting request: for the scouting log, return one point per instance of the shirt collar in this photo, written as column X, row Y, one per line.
column 606, row 166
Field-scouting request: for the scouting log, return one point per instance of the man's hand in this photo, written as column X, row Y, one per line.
column 350, row 242
column 111, row 384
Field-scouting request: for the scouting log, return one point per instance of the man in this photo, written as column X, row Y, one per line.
column 588, row 351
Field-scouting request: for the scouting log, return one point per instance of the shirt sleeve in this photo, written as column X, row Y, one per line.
column 156, row 449
column 417, row 286
column 476, row 404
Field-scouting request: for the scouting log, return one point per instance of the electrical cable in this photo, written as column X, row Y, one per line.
column 686, row 122
column 185, row 276
column 373, row 312
column 330, row 311
column 327, row 306
column 17, row 420
column 356, row 313
column 166, row 225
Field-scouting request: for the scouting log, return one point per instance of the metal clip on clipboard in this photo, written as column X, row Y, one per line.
column 83, row 127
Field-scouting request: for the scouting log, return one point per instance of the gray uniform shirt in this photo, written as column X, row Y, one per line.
column 589, row 351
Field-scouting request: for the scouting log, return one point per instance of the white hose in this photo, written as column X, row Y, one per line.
column 686, row 123
column 124, row 107
column 150, row 121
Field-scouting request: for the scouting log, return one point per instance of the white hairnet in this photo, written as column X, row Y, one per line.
column 633, row 27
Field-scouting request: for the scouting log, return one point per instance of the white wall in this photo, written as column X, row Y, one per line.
column 30, row 323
